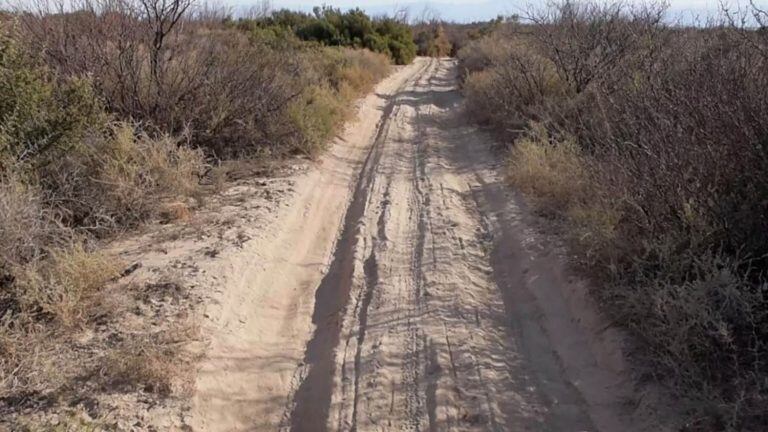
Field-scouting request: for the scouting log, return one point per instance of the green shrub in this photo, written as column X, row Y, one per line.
column 322, row 108
column 330, row 26
column 40, row 119
column 317, row 115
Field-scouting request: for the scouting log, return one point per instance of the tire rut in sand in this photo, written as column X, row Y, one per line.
column 312, row 399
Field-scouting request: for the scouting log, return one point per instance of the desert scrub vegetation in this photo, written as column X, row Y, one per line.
column 70, row 174
column 111, row 113
column 232, row 87
column 647, row 144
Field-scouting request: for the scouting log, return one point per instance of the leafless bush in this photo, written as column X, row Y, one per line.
column 589, row 41
column 484, row 53
column 514, row 87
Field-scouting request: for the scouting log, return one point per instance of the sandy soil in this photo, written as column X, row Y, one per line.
column 398, row 285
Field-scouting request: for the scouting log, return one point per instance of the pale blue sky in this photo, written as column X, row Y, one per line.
column 469, row 10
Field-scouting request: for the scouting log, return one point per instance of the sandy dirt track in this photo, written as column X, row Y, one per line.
column 401, row 288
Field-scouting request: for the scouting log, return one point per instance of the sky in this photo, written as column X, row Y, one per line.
column 477, row 10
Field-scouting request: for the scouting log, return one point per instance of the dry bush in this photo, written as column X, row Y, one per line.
column 119, row 178
column 107, row 114
column 481, row 54
column 317, row 115
column 343, row 75
column 53, row 198
column 516, row 84
column 68, row 174
column 557, row 177
column 360, row 70
column 668, row 128
column 73, row 335
column 25, row 224
column 694, row 218
column 60, row 152
column 231, row 91
column 228, row 92
column 591, row 41
column 65, row 288
column 45, row 303
column 432, row 40
column 703, row 334
column 32, row 365
column 551, row 171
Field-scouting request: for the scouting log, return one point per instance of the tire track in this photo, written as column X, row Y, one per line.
column 312, row 399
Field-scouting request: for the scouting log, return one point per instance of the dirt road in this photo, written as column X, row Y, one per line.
column 401, row 289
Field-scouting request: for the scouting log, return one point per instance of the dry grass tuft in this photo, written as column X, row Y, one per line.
column 66, row 287
column 25, row 223
column 551, row 171
column 554, row 174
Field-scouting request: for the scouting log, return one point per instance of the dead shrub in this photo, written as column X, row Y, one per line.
column 479, row 55
column 704, row 332
column 592, row 42
column 432, row 40
column 32, row 366
column 45, row 305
